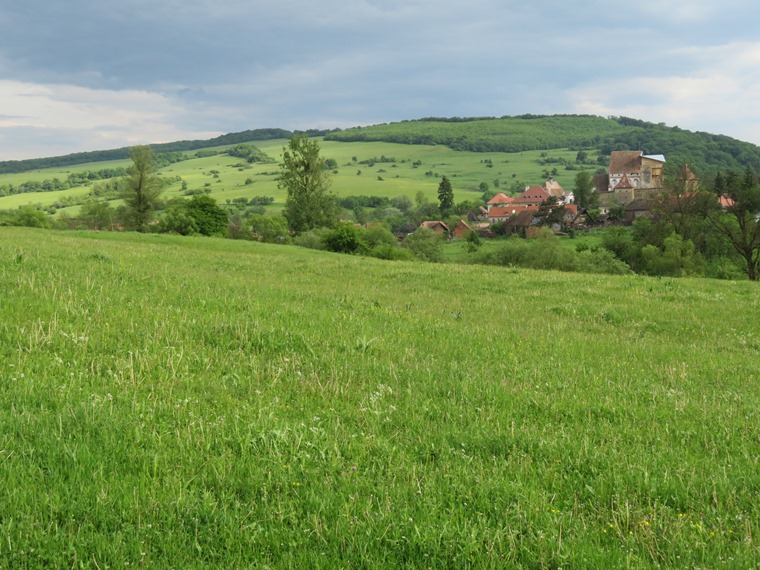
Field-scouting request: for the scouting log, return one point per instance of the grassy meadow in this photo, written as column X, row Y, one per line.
column 189, row 402
column 225, row 176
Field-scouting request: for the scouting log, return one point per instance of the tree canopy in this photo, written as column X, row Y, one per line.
column 141, row 187
column 445, row 194
column 309, row 204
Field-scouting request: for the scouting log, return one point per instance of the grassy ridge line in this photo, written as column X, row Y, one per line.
column 706, row 153
column 18, row 166
column 190, row 402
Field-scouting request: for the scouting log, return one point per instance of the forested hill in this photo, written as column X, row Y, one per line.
column 704, row 152
column 13, row 166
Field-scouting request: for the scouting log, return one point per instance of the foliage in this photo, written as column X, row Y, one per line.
column 312, row 239
column 268, row 229
column 445, row 195
column 31, row 217
column 177, row 220
column 583, row 191
column 378, row 234
column 250, row 153
column 309, row 205
column 425, row 245
column 740, row 223
column 208, row 216
column 141, row 187
column 98, row 215
column 345, row 237
column 546, row 252
column 550, row 211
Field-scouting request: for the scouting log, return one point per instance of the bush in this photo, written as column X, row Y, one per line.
column 311, row 239
column 31, row 217
column 425, row 245
column 391, row 252
column 268, row 229
column 177, row 221
column 345, row 238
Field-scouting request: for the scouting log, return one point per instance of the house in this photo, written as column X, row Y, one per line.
column 533, row 196
column 498, row 201
column 438, row 227
column 499, row 214
column 523, row 224
column 570, row 214
column 461, row 230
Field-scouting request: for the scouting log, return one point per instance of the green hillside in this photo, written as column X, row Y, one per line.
column 705, row 152
column 16, row 166
column 188, row 402
column 375, row 169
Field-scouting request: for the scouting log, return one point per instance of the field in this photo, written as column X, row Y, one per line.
column 180, row 402
column 225, row 176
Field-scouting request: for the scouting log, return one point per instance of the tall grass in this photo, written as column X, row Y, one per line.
column 179, row 402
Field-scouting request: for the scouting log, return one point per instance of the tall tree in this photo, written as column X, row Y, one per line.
column 445, row 195
column 739, row 219
column 583, row 190
column 304, row 176
column 142, row 187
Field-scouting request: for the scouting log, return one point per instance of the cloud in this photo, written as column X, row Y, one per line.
column 99, row 118
column 719, row 95
column 140, row 69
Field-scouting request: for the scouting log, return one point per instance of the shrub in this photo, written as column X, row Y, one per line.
column 345, row 238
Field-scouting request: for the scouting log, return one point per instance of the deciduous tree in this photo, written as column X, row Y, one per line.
column 739, row 222
column 141, row 187
column 583, row 190
column 304, row 177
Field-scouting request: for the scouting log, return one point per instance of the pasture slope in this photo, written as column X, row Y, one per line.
column 179, row 402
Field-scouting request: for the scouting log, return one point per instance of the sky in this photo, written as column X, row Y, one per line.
column 81, row 75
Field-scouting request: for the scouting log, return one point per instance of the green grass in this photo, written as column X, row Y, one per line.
column 465, row 169
column 179, row 402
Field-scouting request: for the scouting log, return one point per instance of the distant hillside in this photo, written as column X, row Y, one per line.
column 705, row 152
column 15, row 166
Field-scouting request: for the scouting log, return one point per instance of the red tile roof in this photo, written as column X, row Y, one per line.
column 532, row 195
column 500, row 199
column 500, row 212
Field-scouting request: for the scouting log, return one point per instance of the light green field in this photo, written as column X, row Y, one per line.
column 466, row 171
column 179, row 402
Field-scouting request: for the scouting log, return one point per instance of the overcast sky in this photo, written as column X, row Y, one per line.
column 80, row 75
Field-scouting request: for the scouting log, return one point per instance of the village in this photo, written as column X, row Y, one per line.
column 632, row 182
